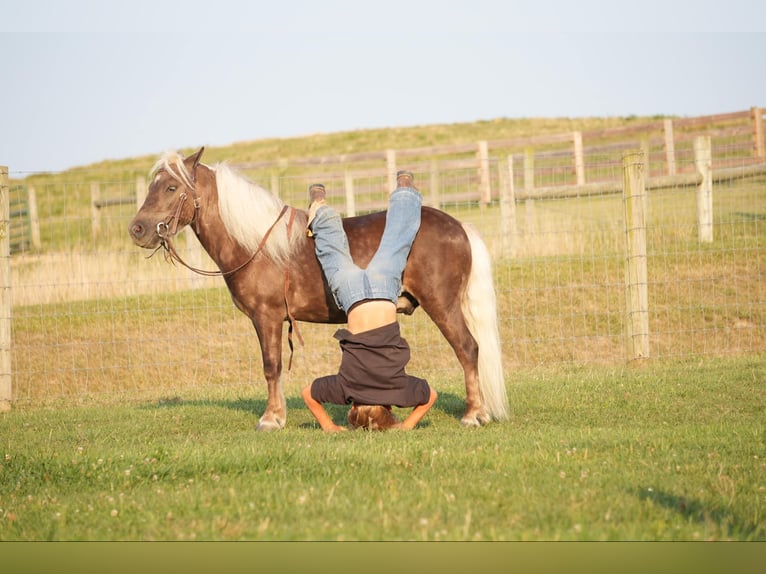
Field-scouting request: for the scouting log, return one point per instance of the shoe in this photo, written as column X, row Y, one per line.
column 405, row 179
column 317, row 198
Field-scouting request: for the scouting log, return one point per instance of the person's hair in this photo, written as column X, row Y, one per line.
column 372, row 417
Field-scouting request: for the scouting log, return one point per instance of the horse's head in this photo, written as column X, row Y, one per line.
column 171, row 200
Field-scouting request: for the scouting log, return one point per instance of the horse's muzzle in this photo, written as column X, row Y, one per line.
column 143, row 235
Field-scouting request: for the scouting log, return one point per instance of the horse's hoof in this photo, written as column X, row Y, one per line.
column 470, row 422
column 484, row 418
column 476, row 419
column 269, row 425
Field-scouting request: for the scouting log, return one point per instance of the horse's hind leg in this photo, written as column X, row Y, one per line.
column 455, row 330
column 270, row 337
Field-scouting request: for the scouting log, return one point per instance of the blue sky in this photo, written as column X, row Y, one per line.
column 83, row 81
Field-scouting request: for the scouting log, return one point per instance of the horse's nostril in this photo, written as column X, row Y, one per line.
column 137, row 230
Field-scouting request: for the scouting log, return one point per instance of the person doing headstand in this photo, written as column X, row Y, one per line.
column 374, row 355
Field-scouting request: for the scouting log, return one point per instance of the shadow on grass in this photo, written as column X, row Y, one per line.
column 449, row 403
column 697, row 511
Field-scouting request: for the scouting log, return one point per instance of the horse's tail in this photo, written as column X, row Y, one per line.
column 480, row 311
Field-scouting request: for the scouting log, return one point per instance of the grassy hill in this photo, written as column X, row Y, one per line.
column 335, row 143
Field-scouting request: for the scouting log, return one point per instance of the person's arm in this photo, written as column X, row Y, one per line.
column 316, row 409
column 419, row 411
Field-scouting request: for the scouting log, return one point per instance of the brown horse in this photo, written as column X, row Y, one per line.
column 260, row 247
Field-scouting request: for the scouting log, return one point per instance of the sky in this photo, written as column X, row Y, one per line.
column 83, row 81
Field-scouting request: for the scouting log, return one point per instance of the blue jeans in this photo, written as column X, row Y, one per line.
column 382, row 279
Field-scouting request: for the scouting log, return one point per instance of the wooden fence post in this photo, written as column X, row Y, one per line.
column 508, row 212
column 579, row 158
column 276, row 176
column 34, row 218
column 95, row 210
column 670, row 147
column 6, row 389
column 758, row 145
column 530, row 218
column 646, row 149
column 703, row 161
column 529, row 169
column 636, row 278
column 391, row 167
column 433, row 192
column 485, row 191
column 141, row 191
column 350, row 201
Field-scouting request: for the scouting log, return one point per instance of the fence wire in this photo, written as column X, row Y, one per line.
column 93, row 315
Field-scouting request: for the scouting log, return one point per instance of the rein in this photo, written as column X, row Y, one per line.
column 166, row 233
column 167, row 230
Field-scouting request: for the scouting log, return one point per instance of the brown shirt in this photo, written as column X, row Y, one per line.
column 372, row 371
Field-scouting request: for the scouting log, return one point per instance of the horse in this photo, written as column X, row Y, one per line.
column 262, row 251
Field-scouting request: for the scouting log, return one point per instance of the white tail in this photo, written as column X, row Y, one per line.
column 480, row 311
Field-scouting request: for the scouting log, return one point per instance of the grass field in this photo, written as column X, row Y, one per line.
column 668, row 451
column 114, row 322
column 136, row 396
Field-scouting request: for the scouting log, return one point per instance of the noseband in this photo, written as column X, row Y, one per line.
column 164, row 229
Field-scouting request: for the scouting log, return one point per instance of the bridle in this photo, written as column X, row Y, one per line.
column 166, row 233
column 168, row 228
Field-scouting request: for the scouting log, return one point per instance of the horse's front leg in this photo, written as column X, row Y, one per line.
column 270, row 338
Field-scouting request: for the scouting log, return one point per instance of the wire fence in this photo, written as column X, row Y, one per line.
column 92, row 315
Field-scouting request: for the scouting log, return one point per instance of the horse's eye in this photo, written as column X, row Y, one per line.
column 171, row 189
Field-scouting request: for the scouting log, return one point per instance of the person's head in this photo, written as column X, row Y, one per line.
column 372, row 417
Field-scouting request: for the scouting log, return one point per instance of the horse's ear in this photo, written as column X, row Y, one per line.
column 194, row 158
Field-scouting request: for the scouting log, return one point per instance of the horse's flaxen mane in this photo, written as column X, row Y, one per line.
column 173, row 163
column 248, row 211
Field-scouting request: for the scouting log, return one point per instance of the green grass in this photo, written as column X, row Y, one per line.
column 134, row 412
column 666, row 451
